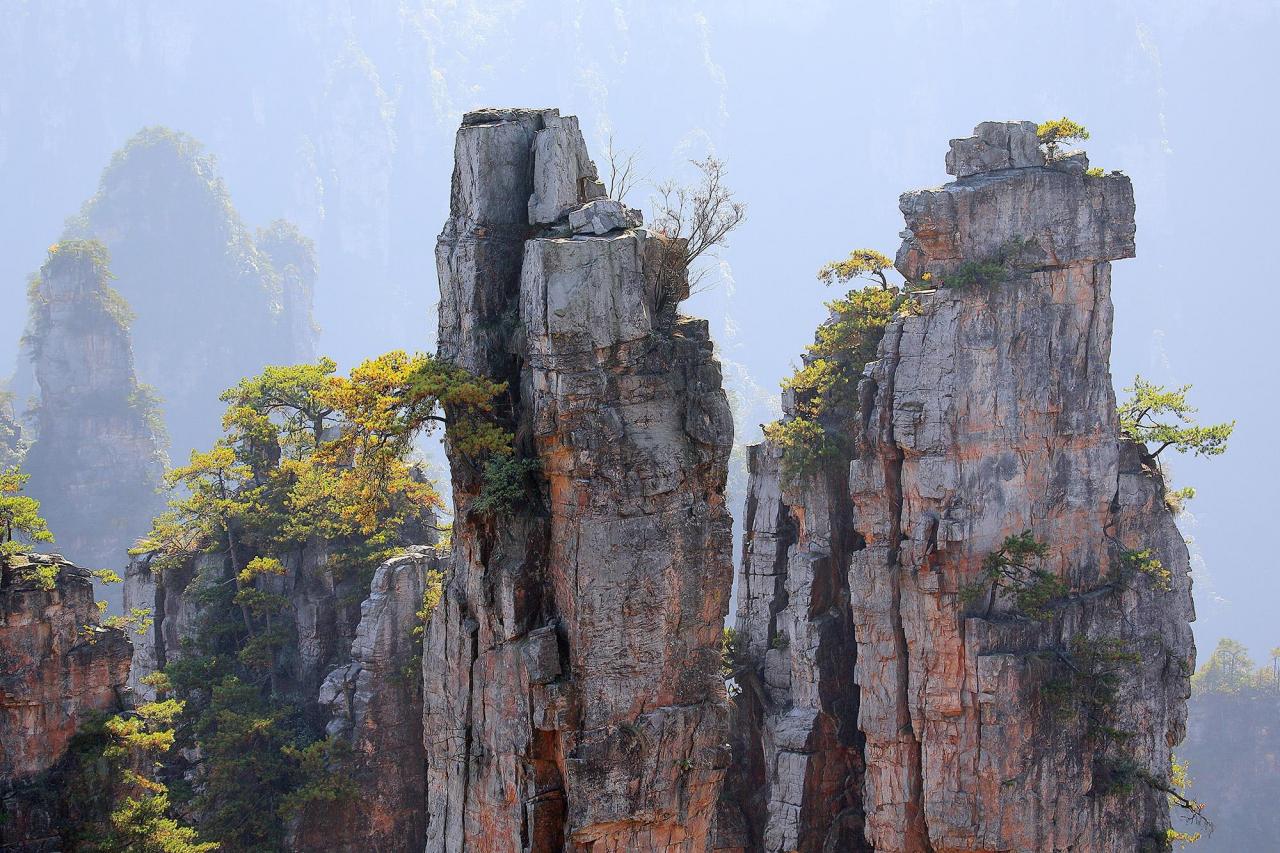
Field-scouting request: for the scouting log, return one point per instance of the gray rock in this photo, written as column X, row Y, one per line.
column 995, row 145
column 564, row 177
column 602, row 216
column 608, row 729
column 375, row 705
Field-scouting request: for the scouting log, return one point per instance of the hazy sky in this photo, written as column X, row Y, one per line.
column 341, row 116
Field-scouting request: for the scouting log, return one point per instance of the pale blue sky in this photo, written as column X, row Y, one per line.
column 341, row 116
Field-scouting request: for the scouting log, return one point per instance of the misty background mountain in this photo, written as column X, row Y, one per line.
column 339, row 119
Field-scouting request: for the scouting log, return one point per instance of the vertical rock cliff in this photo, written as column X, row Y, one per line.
column 58, row 669
column 98, row 456
column 375, row 706
column 984, row 726
column 572, row 671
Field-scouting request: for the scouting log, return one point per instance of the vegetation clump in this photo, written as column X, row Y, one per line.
column 1155, row 415
column 21, row 525
column 825, row 390
column 1013, row 571
column 307, row 456
column 1012, row 256
column 1057, row 132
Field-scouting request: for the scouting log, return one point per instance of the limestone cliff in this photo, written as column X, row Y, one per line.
column 572, row 671
column 98, row 454
column 375, row 707
column 58, row 669
column 989, row 412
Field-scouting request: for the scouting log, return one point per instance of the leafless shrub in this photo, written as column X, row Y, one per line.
column 694, row 219
column 622, row 171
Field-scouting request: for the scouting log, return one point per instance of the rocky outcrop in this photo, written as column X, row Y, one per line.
column 318, row 622
column 375, row 706
column 572, row 671
column 989, row 412
column 98, row 455
column 58, row 669
column 797, row 783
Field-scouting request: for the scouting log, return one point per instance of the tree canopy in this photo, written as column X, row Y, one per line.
column 1155, row 415
column 20, row 523
column 1058, row 131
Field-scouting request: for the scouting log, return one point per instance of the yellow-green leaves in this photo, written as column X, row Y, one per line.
column 824, row 390
column 20, row 521
column 861, row 262
column 1162, row 417
column 1057, row 131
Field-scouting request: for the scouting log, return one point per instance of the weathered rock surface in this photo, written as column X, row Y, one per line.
column 798, row 780
column 989, row 413
column 58, row 669
column 320, row 619
column 97, row 459
column 375, row 706
column 995, row 145
column 572, row 672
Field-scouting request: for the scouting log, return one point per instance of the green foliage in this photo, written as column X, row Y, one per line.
column 861, row 263
column 1093, row 172
column 1229, row 669
column 731, row 652
column 113, row 787
column 20, row 523
column 1144, row 562
column 825, row 389
column 977, row 273
column 1013, row 255
column 1056, row 132
column 1012, row 571
column 1176, row 499
column 432, row 592
column 1086, row 684
column 1163, row 417
column 505, row 484
column 307, row 455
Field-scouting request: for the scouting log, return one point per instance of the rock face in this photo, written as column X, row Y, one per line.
column 98, row 455
column 58, row 669
column 797, row 783
column 375, row 702
column 572, row 671
column 989, row 413
column 319, row 623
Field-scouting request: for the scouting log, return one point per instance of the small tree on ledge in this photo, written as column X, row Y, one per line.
column 1154, row 415
column 20, row 523
column 1058, row 131
column 864, row 263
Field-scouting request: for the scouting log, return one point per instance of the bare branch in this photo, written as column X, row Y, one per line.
column 622, row 171
column 696, row 219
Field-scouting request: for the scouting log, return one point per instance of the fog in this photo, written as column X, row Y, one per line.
column 339, row 117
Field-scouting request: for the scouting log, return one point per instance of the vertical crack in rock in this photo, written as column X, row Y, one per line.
column 798, row 754
column 573, row 693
